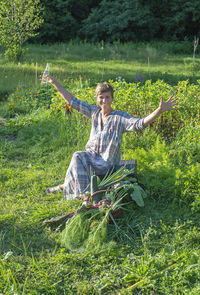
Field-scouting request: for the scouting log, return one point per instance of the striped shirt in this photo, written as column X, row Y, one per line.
column 106, row 139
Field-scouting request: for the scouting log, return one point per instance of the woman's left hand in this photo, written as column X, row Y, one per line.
column 163, row 107
column 167, row 105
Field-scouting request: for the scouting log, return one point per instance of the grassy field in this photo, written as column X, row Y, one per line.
column 133, row 62
column 154, row 249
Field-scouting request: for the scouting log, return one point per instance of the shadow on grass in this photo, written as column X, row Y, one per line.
column 103, row 71
column 22, row 239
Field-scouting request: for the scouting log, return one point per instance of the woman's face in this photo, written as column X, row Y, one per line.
column 104, row 100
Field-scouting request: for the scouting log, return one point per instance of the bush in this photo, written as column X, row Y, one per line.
column 24, row 100
column 18, row 22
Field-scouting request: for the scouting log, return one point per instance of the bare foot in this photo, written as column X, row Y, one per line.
column 53, row 190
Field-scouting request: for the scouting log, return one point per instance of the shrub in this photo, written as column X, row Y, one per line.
column 19, row 20
column 24, row 100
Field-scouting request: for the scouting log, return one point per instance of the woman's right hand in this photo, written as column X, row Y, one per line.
column 62, row 91
column 47, row 78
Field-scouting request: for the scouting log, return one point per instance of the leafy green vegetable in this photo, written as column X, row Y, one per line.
column 136, row 195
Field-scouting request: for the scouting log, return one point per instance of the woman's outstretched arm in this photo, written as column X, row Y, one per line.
column 62, row 91
column 82, row 107
column 163, row 107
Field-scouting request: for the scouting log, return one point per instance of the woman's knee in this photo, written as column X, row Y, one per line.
column 78, row 154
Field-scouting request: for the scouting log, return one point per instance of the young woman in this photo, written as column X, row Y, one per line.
column 102, row 151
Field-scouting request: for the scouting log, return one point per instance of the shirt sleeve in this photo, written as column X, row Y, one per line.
column 83, row 107
column 132, row 123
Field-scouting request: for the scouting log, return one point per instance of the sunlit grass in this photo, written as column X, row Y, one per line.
column 99, row 62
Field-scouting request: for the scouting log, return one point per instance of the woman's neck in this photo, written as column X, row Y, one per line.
column 106, row 112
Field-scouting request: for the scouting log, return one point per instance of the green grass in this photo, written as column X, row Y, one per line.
column 100, row 62
column 155, row 249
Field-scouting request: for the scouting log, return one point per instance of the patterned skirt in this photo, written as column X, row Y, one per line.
column 78, row 176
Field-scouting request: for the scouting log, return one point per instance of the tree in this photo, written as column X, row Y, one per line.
column 19, row 20
column 63, row 19
column 59, row 24
column 125, row 20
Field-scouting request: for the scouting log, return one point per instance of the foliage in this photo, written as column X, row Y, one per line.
column 59, row 24
column 62, row 19
column 19, row 20
column 23, row 100
column 134, row 22
column 88, row 227
column 85, row 229
column 130, row 20
column 59, row 105
column 173, row 20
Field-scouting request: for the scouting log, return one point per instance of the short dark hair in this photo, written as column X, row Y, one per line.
column 104, row 87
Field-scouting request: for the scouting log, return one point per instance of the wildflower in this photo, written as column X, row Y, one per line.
column 9, row 104
column 13, row 103
column 136, row 78
column 1, row 102
column 17, row 96
column 20, row 86
column 22, row 98
column 67, row 107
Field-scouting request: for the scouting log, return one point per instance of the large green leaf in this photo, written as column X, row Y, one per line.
column 136, row 195
column 143, row 193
